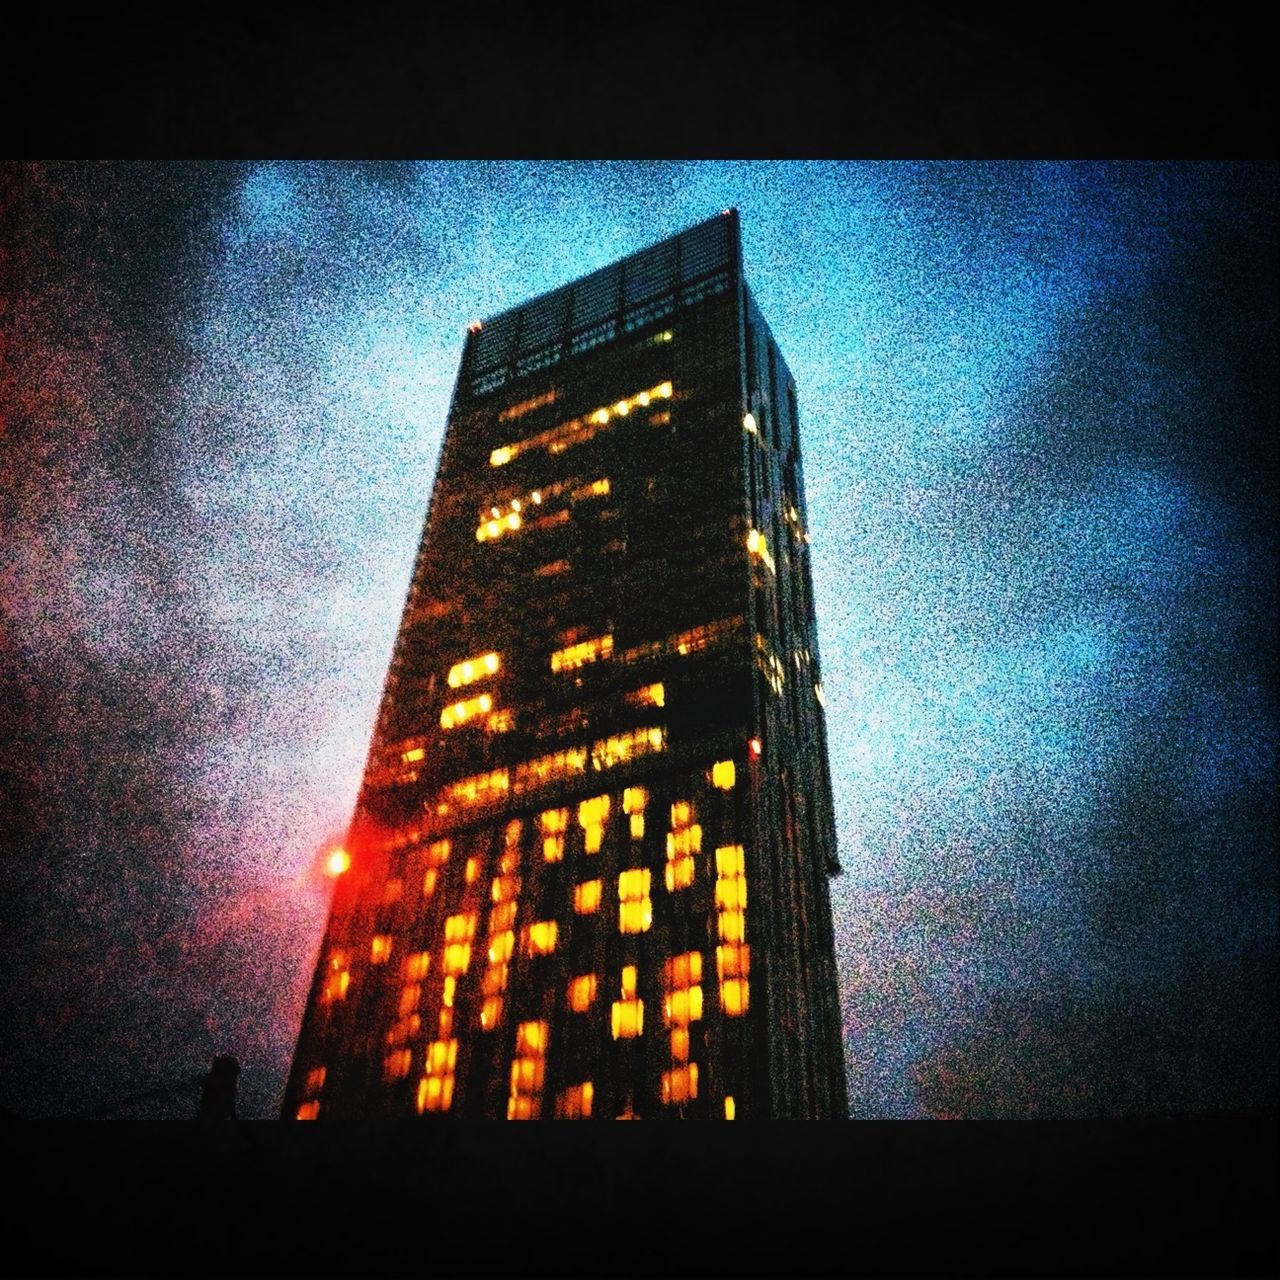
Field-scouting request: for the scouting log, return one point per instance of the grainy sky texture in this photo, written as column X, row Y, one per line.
column 1036, row 403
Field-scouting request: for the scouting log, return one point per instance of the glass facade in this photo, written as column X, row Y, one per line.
column 589, row 860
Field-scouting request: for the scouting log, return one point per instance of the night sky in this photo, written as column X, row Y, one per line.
column 1036, row 405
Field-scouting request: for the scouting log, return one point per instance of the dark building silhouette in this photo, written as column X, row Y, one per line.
column 588, row 865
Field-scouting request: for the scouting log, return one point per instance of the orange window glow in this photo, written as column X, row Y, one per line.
column 582, row 993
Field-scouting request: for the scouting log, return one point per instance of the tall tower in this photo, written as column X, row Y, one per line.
column 589, row 860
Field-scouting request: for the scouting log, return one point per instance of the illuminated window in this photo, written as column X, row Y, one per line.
column 586, row 897
column 582, row 993
column 438, row 853
column 315, row 1080
column 634, row 800
column 578, row 655
column 309, row 1111
column 459, row 930
column 501, row 945
column 450, row 990
column 446, row 1023
column 592, row 815
column 684, row 840
column 554, row 823
column 472, row 870
column 405, row 1028
column 680, row 1044
column 409, row 997
column 460, row 712
column 552, row 570
column 759, row 548
column 429, row 882
column 396, row 1065
column 628, row 1013
column 473, row 669
column 435, row 1089
column 574, row 1103
column 505, row 888
column 380, row 949
column 414, row 755
column 817, row 693
column 502, row 917
column 491, row 1012
column 540, row 938
column 723, row 775
column 730, row 1108
column 338, row 978
column 680, row 1084
column 635, row 908
column 528, row 1071
column 683, row 1002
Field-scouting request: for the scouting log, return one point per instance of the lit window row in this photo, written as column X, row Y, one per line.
column 527, row 406
column 578, row 430
column 528, row 1071
column 733, row 958
column 498, row 520
column 652, row 695
column 473, row 669
column 435, row 1089
column 628, row 1012
column 578, row 655
column 460, row 712
column 759, row 548
column 531, row 775
column 684, row 642
column 417, row 965
column 621, row 747
column 380, row 948
column 635, row 907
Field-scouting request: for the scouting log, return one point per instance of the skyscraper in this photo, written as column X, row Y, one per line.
column 588, row 864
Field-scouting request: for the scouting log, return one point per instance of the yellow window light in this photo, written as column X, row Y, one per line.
column 457, row 957
column 680, row 1084
column 735, row 996
column 723, row 775
column 681, row 814
column 541, row 938
column 501, row 946
column 380, row 949
column 593, row 812
column 582, row 993
column 733, row 961
column 629, row 977
column 586, row 897
column 749, row 424
column 490, row 1012
column 575, row 1102
column 683, row 1007
column 460, row 712
column 578, row 655
column 730, row 860
column 593, row 838
column 472, row 669
column 634, row 800
column 637, row 826
column 680, row 1044
column 730, row 1107
column 627, row 1019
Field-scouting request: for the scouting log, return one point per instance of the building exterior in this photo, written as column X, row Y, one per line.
column 589, row 860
